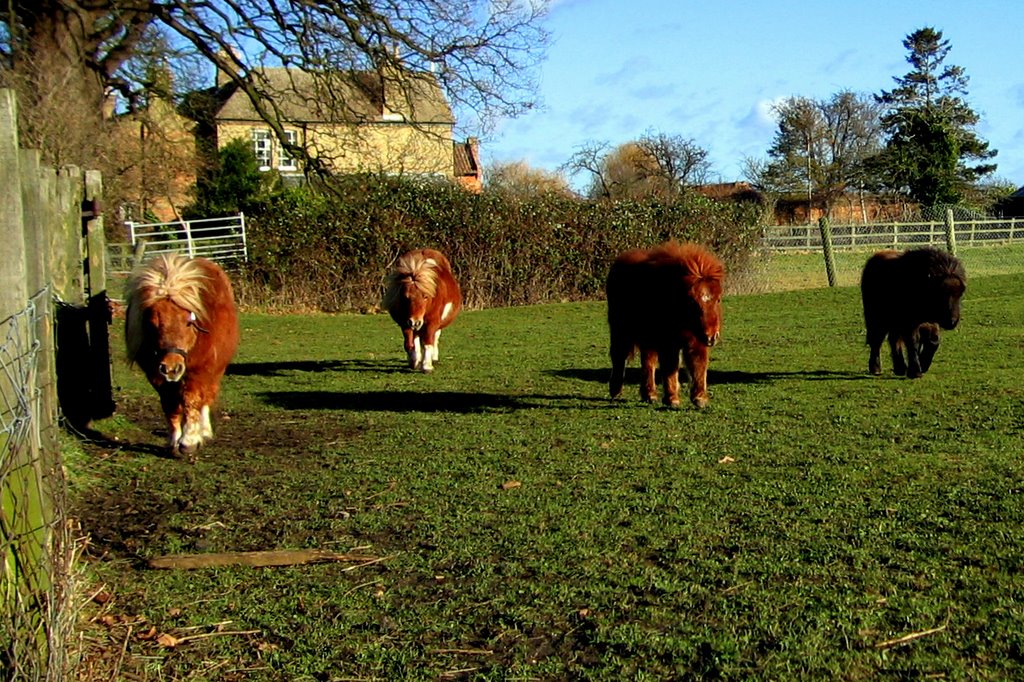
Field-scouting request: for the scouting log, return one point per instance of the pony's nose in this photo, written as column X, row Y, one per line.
column 171, row 370
column 415, row 324
column 713, row 339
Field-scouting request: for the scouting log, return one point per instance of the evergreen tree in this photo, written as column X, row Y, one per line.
column 930, row 128
column 230, row 185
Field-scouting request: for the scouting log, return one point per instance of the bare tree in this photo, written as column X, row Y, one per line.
column 820, row 148
column 678, row 162
column 656, row 165
column 481, row 52
column 589, row 159
column 520, row 179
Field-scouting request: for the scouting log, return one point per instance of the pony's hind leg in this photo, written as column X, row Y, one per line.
column 619, row 353
column 669, row 361
column 899, row 366
column 696, row 356
column 648, row 380
column 875, row 340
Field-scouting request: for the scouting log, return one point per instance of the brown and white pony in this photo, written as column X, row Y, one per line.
column 181, row 329
column 908, row 296
column 664, row 301
column 423, row 297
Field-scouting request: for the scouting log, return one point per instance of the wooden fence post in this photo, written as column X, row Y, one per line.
column 950, row 232
column 826, row 245
column 100, row 371
column 25, row 508
column 13, row 291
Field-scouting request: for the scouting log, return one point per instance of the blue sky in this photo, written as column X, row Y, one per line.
column 710, row 71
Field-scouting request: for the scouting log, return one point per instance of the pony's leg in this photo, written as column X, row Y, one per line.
column 192, row 433
column 174, row 412
column 899, row 367
column 669, row 361
column 927, row 344
column 437, row 344
column 648, row 365
column 430, row 337
column 619, row 353
column 696, row 356
column 875, row 339
column 412, row 347
column 913, row 360
column 207, row 425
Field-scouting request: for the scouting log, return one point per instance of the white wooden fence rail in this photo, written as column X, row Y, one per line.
column 895, row 235
column 219, row 239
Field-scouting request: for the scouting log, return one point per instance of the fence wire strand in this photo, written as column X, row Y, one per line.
column 33, row 537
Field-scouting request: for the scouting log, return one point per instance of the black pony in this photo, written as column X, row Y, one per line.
column 908, row 296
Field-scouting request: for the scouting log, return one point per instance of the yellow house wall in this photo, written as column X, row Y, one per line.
column 387, row 147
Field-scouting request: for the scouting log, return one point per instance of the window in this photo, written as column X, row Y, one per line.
column 261, row 144
column 286, row 160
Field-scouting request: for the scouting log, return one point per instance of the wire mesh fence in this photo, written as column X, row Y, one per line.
column 33, row 536
column 792, row 257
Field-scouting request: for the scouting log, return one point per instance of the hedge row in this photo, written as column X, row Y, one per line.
column 330, row 250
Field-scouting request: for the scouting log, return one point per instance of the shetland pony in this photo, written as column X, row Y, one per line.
column 423, row 298
column 181, row 329
column 908, row 296
column 665, row 300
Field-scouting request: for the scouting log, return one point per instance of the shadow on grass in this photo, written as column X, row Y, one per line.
column 101, row 440
column 715, row 376
column 435, row 401
column 248, row 369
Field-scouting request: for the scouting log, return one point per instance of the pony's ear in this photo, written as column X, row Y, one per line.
column 431, row 262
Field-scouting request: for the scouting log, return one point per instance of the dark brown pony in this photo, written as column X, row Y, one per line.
column 908, row 296
column 423, row 298
column 181, row 329
column 665, row 300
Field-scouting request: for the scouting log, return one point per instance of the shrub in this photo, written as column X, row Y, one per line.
column 330, row 249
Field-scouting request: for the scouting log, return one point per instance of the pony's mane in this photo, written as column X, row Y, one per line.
column 942, row 264
column 172, row 277
column 415, row 267
column 699, row 262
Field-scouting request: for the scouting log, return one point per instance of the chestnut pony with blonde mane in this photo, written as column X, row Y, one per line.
column 182, row 331
column 665, row 300
column 423, row 298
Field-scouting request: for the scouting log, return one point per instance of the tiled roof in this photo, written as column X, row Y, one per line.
column 353, row 97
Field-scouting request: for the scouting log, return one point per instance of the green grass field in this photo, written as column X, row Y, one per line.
column 785, row 271
column 814, row 522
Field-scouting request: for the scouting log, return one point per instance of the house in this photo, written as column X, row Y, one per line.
column 1013, row 205
column 850, row 207
column 154, row 149
column 350, row 122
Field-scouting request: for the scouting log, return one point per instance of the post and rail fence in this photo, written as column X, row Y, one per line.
column 222, row 240
column 54, row 367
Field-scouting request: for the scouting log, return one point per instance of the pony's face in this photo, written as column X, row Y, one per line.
column 707, row 297
column 172, row 332
column 945, row 299
column 413, row 304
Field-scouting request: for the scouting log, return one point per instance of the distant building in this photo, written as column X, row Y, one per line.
column 352, row 122
column 851, row 207
column 1013, row 205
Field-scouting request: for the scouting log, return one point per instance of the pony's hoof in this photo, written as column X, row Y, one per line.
column 701, row 401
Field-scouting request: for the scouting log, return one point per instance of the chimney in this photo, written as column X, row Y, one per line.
column 232, row 59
